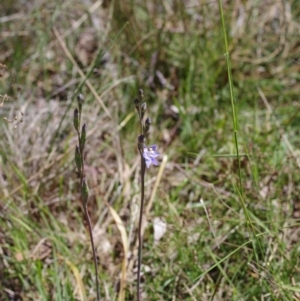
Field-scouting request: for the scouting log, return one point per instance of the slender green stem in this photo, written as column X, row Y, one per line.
column 233, row 108
column 250, row 226
column 143, row 169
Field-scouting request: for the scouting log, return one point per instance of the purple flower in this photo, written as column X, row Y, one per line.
column 150, row 154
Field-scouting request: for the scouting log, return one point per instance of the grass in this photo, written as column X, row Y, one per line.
column 174, row 51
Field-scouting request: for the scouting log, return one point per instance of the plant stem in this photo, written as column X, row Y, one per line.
column 250, row 226
column 87, row 217
column 143, row 168
column 93, row 250
column 233, row 108
column 141, row 120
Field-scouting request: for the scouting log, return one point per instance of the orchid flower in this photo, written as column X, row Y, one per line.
column 150, row 155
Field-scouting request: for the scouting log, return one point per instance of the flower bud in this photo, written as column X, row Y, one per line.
column 78, row 159
column 147, row 125
column 137, row 104
column 143, row 109
column 82, row 138
column 76, row 119
column 80, row 100
column 141, row 142
column 141, row 93
column 84, row 191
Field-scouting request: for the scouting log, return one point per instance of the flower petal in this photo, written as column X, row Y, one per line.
column 153, row 147
column 148, row 162
column 154, row 161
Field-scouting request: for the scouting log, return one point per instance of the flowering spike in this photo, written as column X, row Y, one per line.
column 82, row 138
column 76, row 119
column 85, row 191
column 78, row 159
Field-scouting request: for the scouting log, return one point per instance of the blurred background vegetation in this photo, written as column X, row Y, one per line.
column 174, row 50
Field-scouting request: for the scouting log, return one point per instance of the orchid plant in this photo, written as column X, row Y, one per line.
column 84, row 189
column 148, row 156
